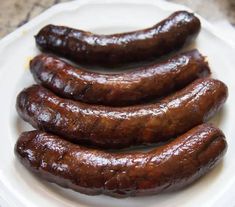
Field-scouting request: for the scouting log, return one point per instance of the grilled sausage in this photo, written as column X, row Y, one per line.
column 90, row 171
column 87, row 48
column 118, row 89
column 117, row 127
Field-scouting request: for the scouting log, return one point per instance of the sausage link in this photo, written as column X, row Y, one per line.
column 166, row 168
column 122, row 89
column 117, row 127
column 87, row 48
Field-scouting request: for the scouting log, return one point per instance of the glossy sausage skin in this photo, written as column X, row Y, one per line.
column 121, row 89
column 117, row 127
column 90, row 171
column 87, row 48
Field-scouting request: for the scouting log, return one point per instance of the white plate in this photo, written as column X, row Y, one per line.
column 18, row 187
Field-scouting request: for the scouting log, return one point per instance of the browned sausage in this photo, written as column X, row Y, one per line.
column 116, row 127
column 90, row 171
column 85, row 47
column 119, row 89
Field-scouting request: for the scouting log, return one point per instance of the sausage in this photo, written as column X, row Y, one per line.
column 122, row 89
column 116, row 49
column 118, row 127
column 90, row 171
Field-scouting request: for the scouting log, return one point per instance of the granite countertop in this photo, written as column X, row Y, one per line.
column 15, row 13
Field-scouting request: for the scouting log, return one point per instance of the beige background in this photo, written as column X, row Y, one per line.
column 15, row 13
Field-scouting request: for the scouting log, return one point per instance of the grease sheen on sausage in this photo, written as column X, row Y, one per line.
column 90, row 171
column 117, row 127
column 118, row 89
column 85, row 47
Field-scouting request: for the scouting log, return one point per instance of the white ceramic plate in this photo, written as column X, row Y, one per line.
column 19, row 188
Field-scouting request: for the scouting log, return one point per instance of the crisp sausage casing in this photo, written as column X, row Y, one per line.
column 117, row 127
column 85, row 47
column 90, row 171
column 126, row 88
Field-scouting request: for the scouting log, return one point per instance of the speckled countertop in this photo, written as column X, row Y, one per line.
column 15, row 13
